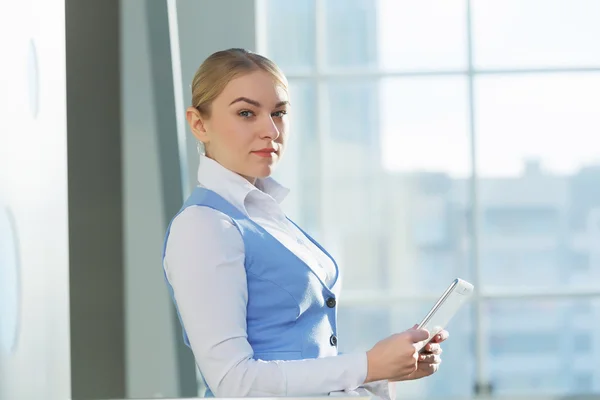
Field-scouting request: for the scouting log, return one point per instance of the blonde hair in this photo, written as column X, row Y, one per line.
column 221, row 67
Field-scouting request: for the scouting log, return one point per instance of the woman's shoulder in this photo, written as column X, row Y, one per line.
column 202, row 231
column 201, row 219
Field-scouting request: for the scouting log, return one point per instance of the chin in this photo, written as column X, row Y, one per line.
column 264, row 172
column 261, row 169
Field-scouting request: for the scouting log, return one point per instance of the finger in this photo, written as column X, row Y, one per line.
column 418, row 335
column 441, row 336
column 428, row 369
column 433, row 348
column 429, row 359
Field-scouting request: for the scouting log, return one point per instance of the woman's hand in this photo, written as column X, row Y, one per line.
column 429, row 359
column 395, row 357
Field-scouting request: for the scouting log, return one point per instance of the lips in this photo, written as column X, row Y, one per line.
column 265, row 153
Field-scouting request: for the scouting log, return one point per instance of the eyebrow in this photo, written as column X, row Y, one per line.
column 256, row 103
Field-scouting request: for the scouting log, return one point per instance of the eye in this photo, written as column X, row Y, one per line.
column 246, row 114
column 279, row 114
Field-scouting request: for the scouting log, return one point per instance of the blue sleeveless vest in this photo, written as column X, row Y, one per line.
column 291, row 313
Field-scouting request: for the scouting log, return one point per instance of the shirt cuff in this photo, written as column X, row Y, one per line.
column 357, row 363
column 383, row 390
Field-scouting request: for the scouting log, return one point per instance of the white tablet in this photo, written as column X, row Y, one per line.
column 457, row 294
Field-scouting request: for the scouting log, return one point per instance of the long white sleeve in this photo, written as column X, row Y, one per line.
column 204, row 263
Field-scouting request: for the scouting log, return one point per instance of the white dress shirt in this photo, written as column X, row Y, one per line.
column 204, row 263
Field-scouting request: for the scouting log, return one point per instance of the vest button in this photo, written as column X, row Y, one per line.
column 333, row 340
column 330, row 302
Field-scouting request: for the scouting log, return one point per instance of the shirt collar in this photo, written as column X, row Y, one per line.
column 233, row 187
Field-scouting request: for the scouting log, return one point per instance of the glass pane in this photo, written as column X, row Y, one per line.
column 425, row 146
column 536, row 33
column 351, row 33
column 360, row 327
column 295, row 172
column 543, row 347
column 291, row 34
column 424, row 125
column 538, row 154
column 394, row 212
column 424, row 34
column 352, row 184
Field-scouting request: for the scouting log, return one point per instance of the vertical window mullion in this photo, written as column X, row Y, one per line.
column 482, row 386
column 321, row 105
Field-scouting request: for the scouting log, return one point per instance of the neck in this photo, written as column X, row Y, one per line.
column 249, row 179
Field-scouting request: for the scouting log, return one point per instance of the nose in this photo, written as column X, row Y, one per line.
column 270, row 130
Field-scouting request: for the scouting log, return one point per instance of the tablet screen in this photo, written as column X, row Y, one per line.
column 457, row 294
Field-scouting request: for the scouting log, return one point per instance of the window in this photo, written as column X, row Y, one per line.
column 357, row 27
column 523, row 344
column 436, row 126
column 294, row 21
column 532, row 341
column 360, row 327
column 512, row 34
column 582, row 343
column 520, row 221
column 582, row 383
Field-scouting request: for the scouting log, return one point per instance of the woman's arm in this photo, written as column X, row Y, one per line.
column 204, row 263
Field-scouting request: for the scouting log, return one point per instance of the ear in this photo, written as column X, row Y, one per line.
column 197, row 124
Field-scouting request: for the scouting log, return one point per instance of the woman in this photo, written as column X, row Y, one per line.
column 256, row 295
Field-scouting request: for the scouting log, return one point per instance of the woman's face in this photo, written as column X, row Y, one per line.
column 248, row 125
